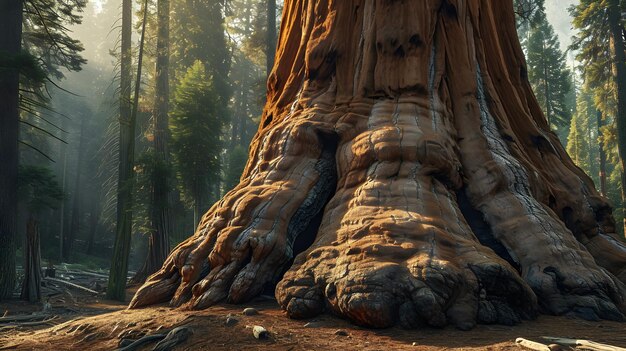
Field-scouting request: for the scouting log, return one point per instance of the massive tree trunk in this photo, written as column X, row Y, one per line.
column 10, row 45
column 403, row 139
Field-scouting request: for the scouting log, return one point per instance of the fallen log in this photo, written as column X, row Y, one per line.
column 72, row 285
column 587, row 344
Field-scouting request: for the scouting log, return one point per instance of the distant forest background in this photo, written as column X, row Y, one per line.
column 198, row 86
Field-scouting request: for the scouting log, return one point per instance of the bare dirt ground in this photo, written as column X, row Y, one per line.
column 86, row 322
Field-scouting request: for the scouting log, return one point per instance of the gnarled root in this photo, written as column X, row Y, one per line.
column 249, row 235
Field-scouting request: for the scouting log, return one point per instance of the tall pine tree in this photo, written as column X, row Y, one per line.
column 601, row 49
column 549, row 76
column 196, row 130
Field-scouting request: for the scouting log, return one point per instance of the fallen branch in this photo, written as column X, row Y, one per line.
column 23, row 318
column 71, row 284
column 532, row 345
column 14, row 325
column 587, row 344
column 86, row 273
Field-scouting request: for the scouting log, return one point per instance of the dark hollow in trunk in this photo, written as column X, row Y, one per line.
column 454, row 203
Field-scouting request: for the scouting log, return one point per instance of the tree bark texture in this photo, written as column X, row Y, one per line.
column 10, row 46
column 116, row 287
column 402, row 149
column 602, row 155
column 31, row 287
column 75, row 221
column 158, row 241
column 270, row 40
column 619, row 65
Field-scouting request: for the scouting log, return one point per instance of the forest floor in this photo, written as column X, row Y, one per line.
column 88, row 322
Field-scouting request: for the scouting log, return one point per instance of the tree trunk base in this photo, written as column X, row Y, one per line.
column 405, row 169
column 399, row 245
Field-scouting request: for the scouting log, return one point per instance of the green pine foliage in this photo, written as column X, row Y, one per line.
column 582, row 141
column 38, row 188
column 592, row 44
column 46, row 36
column 549, row 76
column 528, row 13
column 198, row 33
column 196, row 127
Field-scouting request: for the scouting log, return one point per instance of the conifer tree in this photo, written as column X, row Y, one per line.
column 601, row 50
column 582, row 141
column 548, row 74
column 196, row 129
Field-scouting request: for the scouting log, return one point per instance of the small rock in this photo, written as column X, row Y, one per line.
column 259, row 332
column 230, row 321
column 313, row 325
column 250, row 311
column 341, row 332
column 414, row 343
column 555, row 347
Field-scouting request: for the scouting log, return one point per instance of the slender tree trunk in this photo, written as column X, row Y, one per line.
column 197, row 210
column 546, row 88
column 76, row 201
column 602, row 155
column 619, row 62
column 590, row 144
column 243, row 116
column 94, row 218
column 31, row 287
column 158, row 242
column 403, row 172
column 271, row 35
column 10, row 45
column 116, row 288
column 62, row 211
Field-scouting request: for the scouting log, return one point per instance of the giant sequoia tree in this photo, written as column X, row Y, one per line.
column 403, row 172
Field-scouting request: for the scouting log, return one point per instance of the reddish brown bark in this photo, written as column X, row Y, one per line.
column 409, row 132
